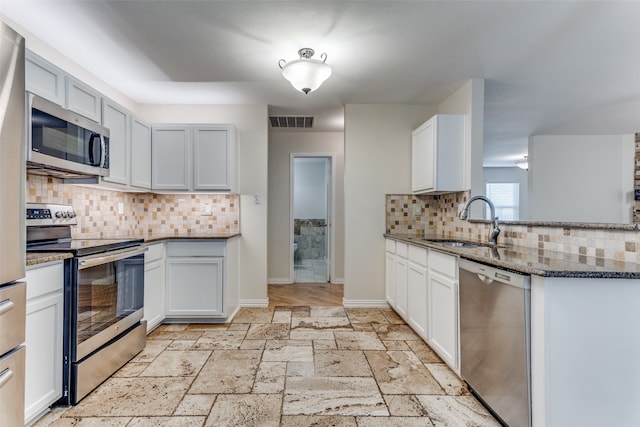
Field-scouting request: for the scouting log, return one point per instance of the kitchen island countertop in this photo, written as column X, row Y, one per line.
column 540, row 262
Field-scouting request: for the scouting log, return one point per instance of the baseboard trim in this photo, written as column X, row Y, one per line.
column 279, row 281
column 230, row 318
column 254, row 302
column 364, row 303
column 337, row 281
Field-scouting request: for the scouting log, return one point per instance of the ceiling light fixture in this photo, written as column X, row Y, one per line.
column 306, row 74
column 523, row 164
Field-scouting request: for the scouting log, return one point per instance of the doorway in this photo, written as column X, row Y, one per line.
column 311, row 218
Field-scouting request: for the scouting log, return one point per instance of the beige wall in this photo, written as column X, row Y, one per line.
column 377, row 162
column 251, row 122
column 281, row 146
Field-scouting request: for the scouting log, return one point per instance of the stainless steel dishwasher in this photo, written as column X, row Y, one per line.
column 495, row 339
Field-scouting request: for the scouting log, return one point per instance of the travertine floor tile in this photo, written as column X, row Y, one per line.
column 91, row 422
column 247, row 410
column 400, row 372
column 151, row 350
column 196, row 404
column 177, row 335
column 358, row 341
column 268, row 331
column 300, row 369
column 396, row 345
column 176, row 364
column 220, row 340
column 325, row 345
column 317, row 421
column 394, row 422
column 280, row 316
column 270, row 378
column 181, row 344
column 228, row 371
column 366, row 316
column 307, row 334
column 424, row 352
column 130, row 370
column 341, row 363
column 327, row 312
column 207, row 326
column 392, row 316
column 315, row 323
column 253, row 315
column 289, row 354
column 395, row 332
column 118, row 397
column 167, row 422
column 457, row 410
column 405, row 405
column 332, row 396
column 449, row 381
column 253, row 344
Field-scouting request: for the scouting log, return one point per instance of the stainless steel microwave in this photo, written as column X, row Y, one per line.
column 64, row 144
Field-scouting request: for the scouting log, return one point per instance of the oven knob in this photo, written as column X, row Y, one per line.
column 65, row 214
column 58, row 214
column 72, row 214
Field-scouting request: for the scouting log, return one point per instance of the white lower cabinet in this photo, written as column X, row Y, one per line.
column 195, row 279
column 417, row 291
column 154, row 285
column 443, row 307
column 421, row 285
column 44, row 334
column 400, row 278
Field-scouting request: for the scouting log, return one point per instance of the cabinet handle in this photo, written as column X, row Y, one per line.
column 5, row 306
column 5, row 376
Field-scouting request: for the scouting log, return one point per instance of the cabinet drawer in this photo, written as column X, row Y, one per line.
column 401, row 249
column 418, row 255
column 443, row 263
column 196, row 249
column 45, row 278
column 13, row 308
column 155, row 252
column 390, row 246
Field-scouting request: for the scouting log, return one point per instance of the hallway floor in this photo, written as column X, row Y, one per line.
column 311, row 271
column 282, row 366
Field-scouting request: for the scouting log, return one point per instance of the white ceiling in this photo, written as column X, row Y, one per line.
column 550, row 67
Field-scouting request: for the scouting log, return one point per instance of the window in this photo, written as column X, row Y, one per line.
column 506, row 198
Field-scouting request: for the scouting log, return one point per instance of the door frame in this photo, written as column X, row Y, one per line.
column 330, row 210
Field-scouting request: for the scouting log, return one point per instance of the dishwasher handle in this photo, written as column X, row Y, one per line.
column 488, row 274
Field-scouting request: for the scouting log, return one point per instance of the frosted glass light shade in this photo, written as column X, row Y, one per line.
column 306, row 75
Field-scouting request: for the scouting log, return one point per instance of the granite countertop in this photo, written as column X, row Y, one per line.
column 35, row 258
column 200, row 235
column 535, row 261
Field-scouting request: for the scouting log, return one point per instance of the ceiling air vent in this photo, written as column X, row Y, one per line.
column 302, row 122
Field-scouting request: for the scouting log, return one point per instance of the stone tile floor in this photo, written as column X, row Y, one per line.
column 311, row 271
column 288, row 366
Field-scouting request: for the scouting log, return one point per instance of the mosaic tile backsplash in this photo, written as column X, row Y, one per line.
column 438, row 215
column 145, row 214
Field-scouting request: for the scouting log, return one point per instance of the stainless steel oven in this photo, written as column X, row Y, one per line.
column 104, row 298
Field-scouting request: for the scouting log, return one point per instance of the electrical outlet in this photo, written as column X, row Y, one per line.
column 120, row 208
column 205, row 210
column 417, row 209
column 256, row 199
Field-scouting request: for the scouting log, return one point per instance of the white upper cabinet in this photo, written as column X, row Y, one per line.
column 194, row 157
column 117, row 120
column 44, row 79
column 438, row 155
column 140, row 162
column 83, row 99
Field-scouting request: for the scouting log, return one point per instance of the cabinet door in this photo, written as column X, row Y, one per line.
column 44, row 334
column 423, row 158
column 443, row 317
column 83, row 100
column 194, row 287
column 140, row 169
column 417, row 299
column 211, row 156
column 154, row 291
column 170, row 158
column 390, row 279
column 116, row 119
column 400, row 271
column 44, row 79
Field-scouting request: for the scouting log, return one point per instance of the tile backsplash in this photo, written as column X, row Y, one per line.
column 438, row 215
column 144, row 214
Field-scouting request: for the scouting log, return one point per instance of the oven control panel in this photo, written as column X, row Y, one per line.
column 50, row 214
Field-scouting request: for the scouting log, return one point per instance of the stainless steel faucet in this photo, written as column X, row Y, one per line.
column 495, row 230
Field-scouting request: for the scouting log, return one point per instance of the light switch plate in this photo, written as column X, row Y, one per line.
column 256, row 199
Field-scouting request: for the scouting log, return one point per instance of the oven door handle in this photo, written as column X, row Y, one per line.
column 92, row 261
